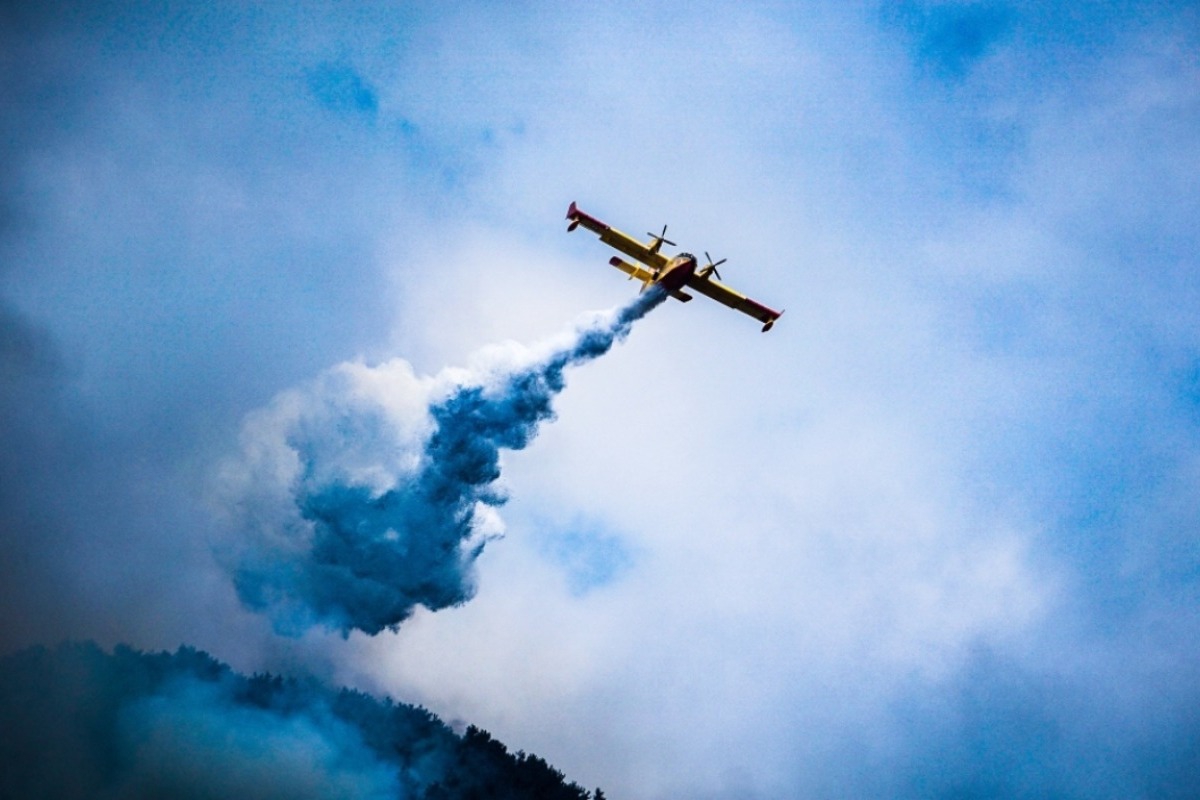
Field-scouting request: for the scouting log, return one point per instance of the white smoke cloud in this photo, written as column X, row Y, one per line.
column 372, row 491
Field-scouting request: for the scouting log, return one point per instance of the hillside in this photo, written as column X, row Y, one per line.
column 78, row 722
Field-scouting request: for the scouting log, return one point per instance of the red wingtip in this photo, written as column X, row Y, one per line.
column 572, row 212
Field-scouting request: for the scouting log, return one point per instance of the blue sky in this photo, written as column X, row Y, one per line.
column 935, row 534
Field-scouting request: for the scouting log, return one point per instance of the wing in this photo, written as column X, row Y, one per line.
column 735, row 300
column 615, row 239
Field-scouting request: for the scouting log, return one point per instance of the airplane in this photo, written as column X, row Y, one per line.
column 670, row 273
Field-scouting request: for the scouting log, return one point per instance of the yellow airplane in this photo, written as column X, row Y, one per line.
column 670, row 273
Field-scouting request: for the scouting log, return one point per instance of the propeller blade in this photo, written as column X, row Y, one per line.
column 712, row 268
column 662, row 237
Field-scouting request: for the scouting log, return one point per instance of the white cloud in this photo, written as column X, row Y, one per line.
column 980, row 330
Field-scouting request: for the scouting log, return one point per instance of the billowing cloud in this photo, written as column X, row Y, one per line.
column 942, row 517
column 373, row 491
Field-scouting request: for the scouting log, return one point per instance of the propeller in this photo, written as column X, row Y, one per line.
column 661, row 238
column 711, row 268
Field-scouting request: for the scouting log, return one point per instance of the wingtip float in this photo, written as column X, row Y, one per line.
column 672, row 273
